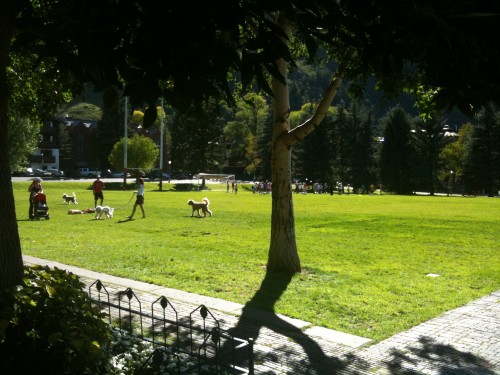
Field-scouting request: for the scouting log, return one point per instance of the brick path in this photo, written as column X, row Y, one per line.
column 462, row 341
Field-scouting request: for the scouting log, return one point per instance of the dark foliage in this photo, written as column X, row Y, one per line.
column 110, row 126
column 429, row 140
column 452, row 45
column 397, row 151
column 197, row 140
column 48, row 326
column 482, row 162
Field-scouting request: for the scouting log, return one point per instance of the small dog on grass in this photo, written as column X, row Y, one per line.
column 67, row 199
column 197, row 206
column 80, row 212
column 104, row 210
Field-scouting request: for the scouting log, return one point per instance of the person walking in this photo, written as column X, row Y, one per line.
column 35, row 187
column 97, row 188
column 139, row 198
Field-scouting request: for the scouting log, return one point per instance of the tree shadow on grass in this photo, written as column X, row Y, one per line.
column 253, row 319
column 415, row 358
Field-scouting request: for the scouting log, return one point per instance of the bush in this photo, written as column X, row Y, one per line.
column 186, row 187
column 48, row 325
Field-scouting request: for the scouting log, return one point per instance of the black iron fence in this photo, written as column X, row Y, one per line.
column 197, row 334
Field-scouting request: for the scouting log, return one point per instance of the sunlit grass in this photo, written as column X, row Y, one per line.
column 365, row 258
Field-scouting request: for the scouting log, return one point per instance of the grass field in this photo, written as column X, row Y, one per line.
column 365, row 258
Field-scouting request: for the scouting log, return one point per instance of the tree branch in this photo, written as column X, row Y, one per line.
column 297, row 134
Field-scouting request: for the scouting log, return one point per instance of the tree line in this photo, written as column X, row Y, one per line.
column 400, row 151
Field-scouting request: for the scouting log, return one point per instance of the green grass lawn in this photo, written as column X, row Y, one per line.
column 365, row 258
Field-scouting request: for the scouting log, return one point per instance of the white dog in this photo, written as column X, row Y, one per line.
column 106, row 210
column 67, row 199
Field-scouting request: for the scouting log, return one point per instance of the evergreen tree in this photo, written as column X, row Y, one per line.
column 264, row 143
column 341, row 133
column 313, row 160
column 362, row 158
column 453, row 157
column 110, row 126
column 429, row 140
column 197, row 140
column 395, row 159
column 482, row 162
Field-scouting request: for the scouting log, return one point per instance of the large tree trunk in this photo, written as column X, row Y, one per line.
column 283, row 255
column 11, row 262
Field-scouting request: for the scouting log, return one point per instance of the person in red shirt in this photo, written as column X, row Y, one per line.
column 97, row 188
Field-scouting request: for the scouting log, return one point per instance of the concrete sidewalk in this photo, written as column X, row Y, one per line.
column 462, row 341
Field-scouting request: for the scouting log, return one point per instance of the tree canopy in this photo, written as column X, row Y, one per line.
column 142, row 153
column 450, row 47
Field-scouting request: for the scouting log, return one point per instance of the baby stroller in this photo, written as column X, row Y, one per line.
column 40, row 205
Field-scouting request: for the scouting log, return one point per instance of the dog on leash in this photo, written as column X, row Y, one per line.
column 67, row 199
column 104, row 210
column 203, row 206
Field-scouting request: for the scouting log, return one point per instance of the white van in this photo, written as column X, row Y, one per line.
column 88, row 172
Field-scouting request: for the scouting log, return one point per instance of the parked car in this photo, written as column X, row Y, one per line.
column 155, row 174
column 88, row 172
column 119, row 174
column 41, row 173
column 181, row 176
column 25, row 172
column 56, row 173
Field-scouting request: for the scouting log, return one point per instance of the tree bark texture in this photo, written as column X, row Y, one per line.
column 11, row 262
column 283, row 254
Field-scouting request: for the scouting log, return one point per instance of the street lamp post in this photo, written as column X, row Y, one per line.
column 42, row 159
column 450, row 184
column 169, row 170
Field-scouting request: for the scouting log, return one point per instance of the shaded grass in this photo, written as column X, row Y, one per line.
column 365, row 258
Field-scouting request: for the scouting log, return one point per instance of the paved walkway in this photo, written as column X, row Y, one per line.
column 462, row 341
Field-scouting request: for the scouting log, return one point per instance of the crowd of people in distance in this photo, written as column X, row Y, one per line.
column 262, row 187
column 305, row 187
column 317, row 187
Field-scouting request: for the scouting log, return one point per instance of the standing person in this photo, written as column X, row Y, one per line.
column 372, row 189
column 140, row 198
column 97, row 188
column 35, row 187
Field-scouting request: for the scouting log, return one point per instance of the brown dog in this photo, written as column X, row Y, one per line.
column 197, row 206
